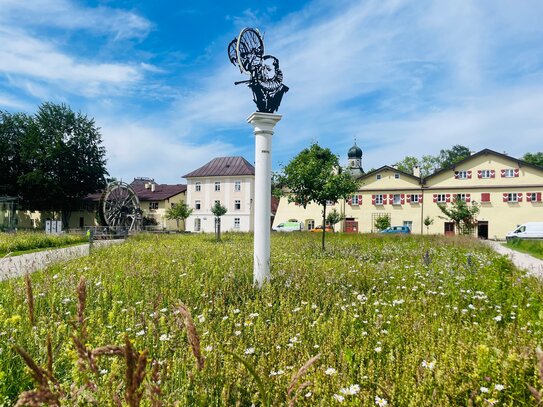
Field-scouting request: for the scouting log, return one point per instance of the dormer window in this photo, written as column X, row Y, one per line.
column 396, row 175
column 378, row 176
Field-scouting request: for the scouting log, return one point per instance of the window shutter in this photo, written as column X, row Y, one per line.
column 503, row 173
column 517, row 172
column 468, row 197
column 435, row 197
column 469, row 174
column 408, row 198
column 359, row 199
column 519, row 196
column 448, row 197
column 402, row 199
column 350, row 200
column 456, row 175
column 420, row 198
column 479, row 174
column 492, row 174
column 505, row 197
column 373, row 199
column 528, row 197
column 538, row 197
column 485, row 197
column 390, row 199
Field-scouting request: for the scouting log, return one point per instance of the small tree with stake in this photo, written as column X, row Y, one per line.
column 178, row 212
column 333, row 218
column 462, row 214
column 218, row 210
column 314, row 175
column 428, row 221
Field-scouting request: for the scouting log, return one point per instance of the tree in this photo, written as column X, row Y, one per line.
column 449, row 157
column 428, row 221
column 218, row 210
column 382, row 222
column 314, row 175
column 462, row 214
column 178, row 212
column 334, row 217
column 60, row 158
column 408, row 164
column 535, row 158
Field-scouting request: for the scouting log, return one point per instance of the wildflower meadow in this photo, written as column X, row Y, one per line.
column 22, row 241
column 372, row 321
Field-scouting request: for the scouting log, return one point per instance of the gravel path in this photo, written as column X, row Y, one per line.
column 533, row 266
column 19, row 265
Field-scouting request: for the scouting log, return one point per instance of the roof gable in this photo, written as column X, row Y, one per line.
column 223, row 167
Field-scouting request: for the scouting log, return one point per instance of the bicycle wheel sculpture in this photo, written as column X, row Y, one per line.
column 120, row 207
column 246, row 51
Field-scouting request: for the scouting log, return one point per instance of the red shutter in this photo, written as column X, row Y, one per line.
column 519, row 197
column 435, row 197
column 390, row 199
column 517, row 172
column 448, row 197
column 469, row 174
column 350, row 200
column 505, row 197
column 402, row 199
column 468, row 197
column 492, row 174
column 420, row 198
column 479, row 174
column 485, row 197
column 373, row 199
column 456, row 175
column 408, row 198
column 528, row 197
column 359, row 199
column 503, row 173
column 539, row 197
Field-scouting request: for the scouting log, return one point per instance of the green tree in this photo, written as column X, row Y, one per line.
column 334, row 217
column 315, row 175
column 408, row 164
column 463, row 215
column 218, row 210
column 64, row 160
column 534, row 158
column 382, row 222
column 179, row 212
column 428, row 165
column 453, row 155
column 428, row 221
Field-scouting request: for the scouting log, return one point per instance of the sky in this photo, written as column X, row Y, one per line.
column 399, row 77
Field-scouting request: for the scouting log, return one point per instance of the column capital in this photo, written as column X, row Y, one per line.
column 264, row 122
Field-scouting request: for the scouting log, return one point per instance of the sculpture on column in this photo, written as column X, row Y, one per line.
column 246, row 51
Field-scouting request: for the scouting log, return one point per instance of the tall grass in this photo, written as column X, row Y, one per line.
column 532, row 247
column 458, row 326
column 20, row 241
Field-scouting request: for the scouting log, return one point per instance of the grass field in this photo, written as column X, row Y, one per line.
column 23, row 241
column 374, row 321
column 532, row 247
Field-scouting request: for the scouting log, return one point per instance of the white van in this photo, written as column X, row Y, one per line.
column 529, row 230
column 289, row 227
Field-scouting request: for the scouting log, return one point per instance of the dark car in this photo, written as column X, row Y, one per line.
column 397, row 229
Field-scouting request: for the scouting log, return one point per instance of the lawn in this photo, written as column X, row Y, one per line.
column 532, row 247
column 398, row 321
column 24, row 241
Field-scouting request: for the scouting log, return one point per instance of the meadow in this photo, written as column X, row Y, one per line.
column 176, row 320
column 22, row 241
column 532, row 247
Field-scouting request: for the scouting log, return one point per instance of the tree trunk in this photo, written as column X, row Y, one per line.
column 218, row 228
column 66, row 214
column 323, row 224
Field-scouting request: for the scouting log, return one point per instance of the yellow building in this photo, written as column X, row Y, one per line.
column 507, row 190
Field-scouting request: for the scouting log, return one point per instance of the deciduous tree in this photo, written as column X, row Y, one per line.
column 534, row 158
column 218, row 210
column 178, row 212
column 463, row 215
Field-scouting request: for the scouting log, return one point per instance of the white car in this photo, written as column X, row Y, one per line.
column 289, row 227
column 529, row 230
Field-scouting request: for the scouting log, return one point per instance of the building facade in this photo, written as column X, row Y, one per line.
column 507, row 190
column 228, row 180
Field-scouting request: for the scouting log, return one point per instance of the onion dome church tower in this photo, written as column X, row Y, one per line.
column 354, row 157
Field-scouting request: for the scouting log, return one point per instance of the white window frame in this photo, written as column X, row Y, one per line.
column 462, row 175
column 460, row 197
column 153, row 206
column 197, row 205
column 330, row 203
column 414, row 198
column 396, row 199
column 409, row 224
column 441, row 198
column 310, row 224
column 512, row 197
column 354, row 200
column 533, row 196
column 509, row 173
column 217, row 186
column 379, row 199
column 486, row 174
column 197, row 224
column 237, row 186
column 237, row 223
column 237, row 205
column 198, row 186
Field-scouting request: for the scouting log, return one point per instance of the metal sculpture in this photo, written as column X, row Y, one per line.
column 120, row 207
column 246, row 51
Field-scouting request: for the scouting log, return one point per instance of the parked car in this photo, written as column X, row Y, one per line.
column 319, row 229
column 397, row 229
column 529, row 230
column 289, row 227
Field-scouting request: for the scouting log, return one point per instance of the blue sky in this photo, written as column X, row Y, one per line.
column 402, row 77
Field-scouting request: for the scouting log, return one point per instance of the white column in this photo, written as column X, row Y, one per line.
column 263, row 124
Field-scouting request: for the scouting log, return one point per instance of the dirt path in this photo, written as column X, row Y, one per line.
column 19, row 265
column 533, row 266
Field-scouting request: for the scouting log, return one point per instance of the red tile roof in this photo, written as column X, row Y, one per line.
column 223, row 167
column 161, row 192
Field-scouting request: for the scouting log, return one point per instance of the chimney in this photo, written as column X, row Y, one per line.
column 153, row 187
column 416, row 171
column 146, row 185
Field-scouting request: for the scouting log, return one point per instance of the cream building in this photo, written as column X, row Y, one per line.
column 228, row 180
column 507, row 190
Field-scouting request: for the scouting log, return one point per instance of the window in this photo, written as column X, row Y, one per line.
column 485, row 197
column 237, row 204
column 197, row 224
column 378, row 176
column 217, row 202
column 236, row 223
column 462, row 175
column 237, row 186
column 330, row 203
column 408, row 223
column 396, row 175
column 486, row 174
column 414, row 198
column 197, row 205
column 354, row 200
column 217, row 186
column 153, row 206
column 441, row 198
column 310, row 224
column 512, row 197
column 378, row 199
column 461, row 197
column 397, row 199
column 533, row 196
column 508, row 173
column 198, row 186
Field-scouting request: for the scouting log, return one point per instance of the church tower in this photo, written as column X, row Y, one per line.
column 354, row 165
